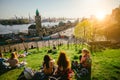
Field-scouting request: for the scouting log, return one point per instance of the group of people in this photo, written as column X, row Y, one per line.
column 10, row 63
column 63, row 70
column 53, row 50
column 83, row 69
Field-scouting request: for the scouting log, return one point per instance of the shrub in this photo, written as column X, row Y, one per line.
column 75, row 57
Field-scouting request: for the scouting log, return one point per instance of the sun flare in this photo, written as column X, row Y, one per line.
column 100, row 15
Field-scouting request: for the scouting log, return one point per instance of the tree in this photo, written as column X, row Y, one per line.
column 112, row 25
column 116, row 14
column 87, row 30
column 83, row 29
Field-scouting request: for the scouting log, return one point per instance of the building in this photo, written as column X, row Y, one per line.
column 32, row 30
column 38, row 24
column 36, row 29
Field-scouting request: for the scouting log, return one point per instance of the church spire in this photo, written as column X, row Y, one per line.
column 37, row 12
column 38, row 23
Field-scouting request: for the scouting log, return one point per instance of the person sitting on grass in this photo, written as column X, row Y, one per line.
column 54, row 47
column 64, row 71
column 3, row 66
column 48, row 69
column 83, row 70
column 13, row 60
column 1, row 58
column 85, row 63
column 75, row 65
column 48, row 65
column 25, row 53
column 53, row 50
column 85, row 59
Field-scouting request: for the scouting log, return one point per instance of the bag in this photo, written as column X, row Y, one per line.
column 28, row 73
column 39, row 76
column 21, row 76
column 83, row 73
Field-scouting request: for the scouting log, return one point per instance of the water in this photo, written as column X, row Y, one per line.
column 6, row 29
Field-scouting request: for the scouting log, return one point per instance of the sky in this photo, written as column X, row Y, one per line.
column 55, row 8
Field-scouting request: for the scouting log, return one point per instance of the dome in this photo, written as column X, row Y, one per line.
column 37, row 12
column 33, row 26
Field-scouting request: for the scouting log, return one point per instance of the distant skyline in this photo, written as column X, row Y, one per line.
column 55, row 8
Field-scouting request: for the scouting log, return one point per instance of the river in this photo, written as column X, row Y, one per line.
column 6, row 29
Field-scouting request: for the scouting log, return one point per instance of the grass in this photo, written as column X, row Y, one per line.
column 105, row 65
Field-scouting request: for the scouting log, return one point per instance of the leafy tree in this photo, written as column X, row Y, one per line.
column 116, row 14
column 112, row 25
column 83, row 29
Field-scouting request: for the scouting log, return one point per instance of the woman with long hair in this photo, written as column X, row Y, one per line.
column 48, row 65
column 64, row 71
column 63, row 62
column 47, row 71
column 85, row 60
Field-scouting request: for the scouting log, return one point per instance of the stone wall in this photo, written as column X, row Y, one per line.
column 22, row 46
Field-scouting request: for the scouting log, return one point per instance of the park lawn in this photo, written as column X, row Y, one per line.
column 105, row 64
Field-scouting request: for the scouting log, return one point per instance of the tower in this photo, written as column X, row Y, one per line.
column 38, row 23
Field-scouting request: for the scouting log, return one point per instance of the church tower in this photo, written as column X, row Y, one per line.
column 38, row 23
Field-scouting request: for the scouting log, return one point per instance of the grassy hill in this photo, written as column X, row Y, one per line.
column 105, row 64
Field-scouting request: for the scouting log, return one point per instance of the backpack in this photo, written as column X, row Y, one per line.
column 28, row 73
column 39, row 76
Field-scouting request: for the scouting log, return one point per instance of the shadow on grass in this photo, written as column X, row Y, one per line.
column 114, row 78
column 117, row 67
column 3, row 71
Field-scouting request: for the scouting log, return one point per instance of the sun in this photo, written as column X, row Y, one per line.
column 100, row 15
